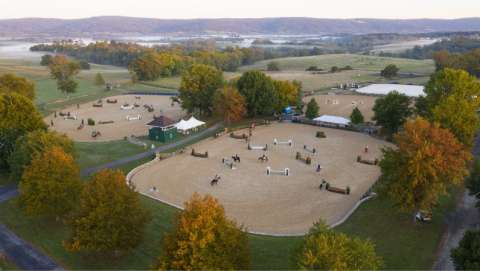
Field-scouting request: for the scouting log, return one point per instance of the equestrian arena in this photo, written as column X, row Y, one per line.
column 111, row 120
column 275, row 203
column 342, row 105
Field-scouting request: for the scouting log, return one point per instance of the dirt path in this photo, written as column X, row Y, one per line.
column 465, row 217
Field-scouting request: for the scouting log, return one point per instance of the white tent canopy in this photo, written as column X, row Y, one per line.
column 186, row 125
column 328, row 119
column 384, row 89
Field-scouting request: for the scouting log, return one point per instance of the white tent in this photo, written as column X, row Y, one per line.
column 191, row 124
column 195, row 123
column 384, row 89
column 332, row 120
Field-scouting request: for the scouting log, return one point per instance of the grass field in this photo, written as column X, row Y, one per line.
column 366, row 70
column 401, row 244
column 5, row 264
column 91, row 154
column 48, row 98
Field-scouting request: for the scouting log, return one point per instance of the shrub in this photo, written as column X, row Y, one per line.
column 91, row 122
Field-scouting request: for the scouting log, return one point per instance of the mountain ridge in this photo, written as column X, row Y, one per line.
column 102, row 25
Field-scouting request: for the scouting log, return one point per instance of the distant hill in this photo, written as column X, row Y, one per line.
column 111, row 25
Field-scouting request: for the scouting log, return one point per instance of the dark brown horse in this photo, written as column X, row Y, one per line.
column 215, row 180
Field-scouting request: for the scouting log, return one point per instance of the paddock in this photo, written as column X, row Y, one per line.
column 127, row 120
column 342, row 105
column 271, row 204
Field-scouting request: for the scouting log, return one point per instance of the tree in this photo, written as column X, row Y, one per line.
column 109, row 219
column 325, row 249
column 392, row 111
column 356, row 117
column 334, row 69
column 390, row 71
column 287, row 93
column 427, row 161
column 205, row 239
column 46, row 60
column 229, row 104
column 312, row 109
column 50, row 184
column 299, row 99
column 18, row 116
column 11, row 83
column 84, row 65
column 99, row 81
column 453, row 97
column 198, row 87
column 473, row 181
column 64, row 70
column 259, row 92
column 467, row 255
column 273, row 66
column 34, row 143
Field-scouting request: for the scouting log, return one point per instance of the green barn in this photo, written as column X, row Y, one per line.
column 162, row 129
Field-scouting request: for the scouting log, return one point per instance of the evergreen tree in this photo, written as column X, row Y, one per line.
column 312, row 109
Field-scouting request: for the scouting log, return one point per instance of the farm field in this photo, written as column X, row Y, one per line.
column 366, row 70
column 49, row 98
column 273, row 204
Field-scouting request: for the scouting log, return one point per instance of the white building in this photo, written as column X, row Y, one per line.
column 333, row 121
column 384, row 89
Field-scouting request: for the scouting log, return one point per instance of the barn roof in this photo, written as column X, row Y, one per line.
column 161, row 121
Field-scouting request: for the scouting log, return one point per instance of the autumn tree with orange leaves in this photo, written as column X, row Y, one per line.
column 229, row 104
column 204, row 239
column 427, row 161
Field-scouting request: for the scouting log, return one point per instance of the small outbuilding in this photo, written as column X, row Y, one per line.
column 162, row 129
column 332, row 121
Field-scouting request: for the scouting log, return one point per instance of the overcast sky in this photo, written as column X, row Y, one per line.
column 398, row 9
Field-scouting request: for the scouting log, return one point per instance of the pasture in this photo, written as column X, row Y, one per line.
column 272, row 204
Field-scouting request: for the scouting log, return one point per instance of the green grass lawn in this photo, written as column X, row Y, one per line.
column 402, row 244
column 359, row 62
column 91, row 154
column 6, row 264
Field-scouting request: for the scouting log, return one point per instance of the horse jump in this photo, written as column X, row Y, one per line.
column 367, row 162
column 200, row 155
column 307, row 160
column 130, row 118
column 321, row 134
column 312, row 150
column 258, row 148
column 285, row 172
column 242, row 136
column 288, row 142
column 330, row 188
column 229, row 163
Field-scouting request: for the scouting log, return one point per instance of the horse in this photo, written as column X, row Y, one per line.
column 263, row 158
column 215, row 180
column 236, row 158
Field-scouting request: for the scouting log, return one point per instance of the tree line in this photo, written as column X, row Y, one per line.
column 162, row 61
column 252, row 94
column 455, row 44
